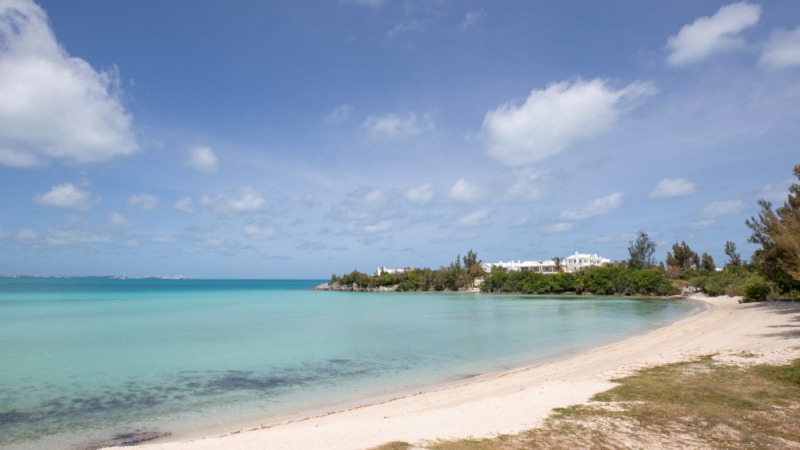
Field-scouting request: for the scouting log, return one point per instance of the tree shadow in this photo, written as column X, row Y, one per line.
column 785, row 331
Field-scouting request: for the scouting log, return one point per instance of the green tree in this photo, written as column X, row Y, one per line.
column 707, row 263
column 778, row 232
column 734, row 259
column 641, row 252
column 682, row 257
column 558, row 261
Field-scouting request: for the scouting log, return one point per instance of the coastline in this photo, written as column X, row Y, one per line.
column 514, row 400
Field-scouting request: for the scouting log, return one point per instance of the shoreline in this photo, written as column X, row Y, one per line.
column 260, row 430
column 381, row 399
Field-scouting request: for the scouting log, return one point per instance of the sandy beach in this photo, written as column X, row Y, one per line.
column 520, row 399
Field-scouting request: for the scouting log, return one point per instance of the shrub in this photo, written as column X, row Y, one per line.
column 756, row 289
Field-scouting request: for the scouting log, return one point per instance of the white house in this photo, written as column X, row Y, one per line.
column 578, row 261
column 392, row 271
column 571, row 263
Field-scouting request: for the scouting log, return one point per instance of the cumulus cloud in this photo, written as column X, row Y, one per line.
column 473, row 219
column 66, row 196
column 26, row 234
column 184, row 206
column 718, row 209
column 782, row 50
column 257, row 233
column 53, row 105
column 420, row 195
column 392, row 127
column 203, row 159
column 339, row 115
column 708, row 35
column 473, row 17
column 142, row 201
column 248, row 201
column 529, row 185
column 624, row 237
column 118, row 221
column 557, row 117
column 673, row 187
column 597, row 207
column 466, row 192
column 776, row 193
column 558, row 228
column 371, row 228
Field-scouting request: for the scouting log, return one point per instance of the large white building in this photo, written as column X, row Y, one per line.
column 572, row 263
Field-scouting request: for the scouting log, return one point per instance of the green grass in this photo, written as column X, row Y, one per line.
column 687, row 405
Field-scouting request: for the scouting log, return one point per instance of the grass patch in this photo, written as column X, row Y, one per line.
column 687, row 405
column 745, row 355
column 396, row 445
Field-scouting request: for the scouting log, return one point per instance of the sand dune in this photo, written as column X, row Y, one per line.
column 520, row 399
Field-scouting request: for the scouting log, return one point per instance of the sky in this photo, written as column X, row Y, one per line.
column 257, row 139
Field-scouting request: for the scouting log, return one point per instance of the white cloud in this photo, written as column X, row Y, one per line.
column 473, row 219
column 776, row 193
column 203, row 159
column 782, row 50
column 557, row 117
column 373, row 228
column 558, row 228
column 673, row 187
column 528, row 185
column 142, row 201
column 248, row 201
column 117, row 220
column 259, row 233
column 718, row 209
column 75, row 232
column 596, row 207
column 473, row 17
column 466, row 192
column 708, row 35
column 700, row 224
column 339, row 115
column 53, row 105
column 66, row 196
column 26, row 234
column 371, row 3
column 391, row 127
column 408, row 27
column 184, row 206
column 420, row 194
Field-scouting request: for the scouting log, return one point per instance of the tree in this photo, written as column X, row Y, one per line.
column 558, row 260
column 734, row 259
column 641, row 251
column 707, row 262
column 778, row 232
column 682, row 257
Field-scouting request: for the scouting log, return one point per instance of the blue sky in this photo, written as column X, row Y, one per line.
column 297, row 139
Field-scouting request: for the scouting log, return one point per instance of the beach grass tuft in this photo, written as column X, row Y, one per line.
column 396, row 445
column 703, row 403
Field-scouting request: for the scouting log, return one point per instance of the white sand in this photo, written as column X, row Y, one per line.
column 520, row 399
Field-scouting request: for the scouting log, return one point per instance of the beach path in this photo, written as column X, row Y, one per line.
column 520, row 399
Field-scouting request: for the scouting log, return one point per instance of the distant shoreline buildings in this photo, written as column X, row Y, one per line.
column 570, row 264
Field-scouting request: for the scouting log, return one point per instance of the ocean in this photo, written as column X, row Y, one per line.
column 86, row 363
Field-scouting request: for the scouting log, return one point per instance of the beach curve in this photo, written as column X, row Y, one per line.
column 520, row 399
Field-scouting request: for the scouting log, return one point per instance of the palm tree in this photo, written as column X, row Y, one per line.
column 558, row 262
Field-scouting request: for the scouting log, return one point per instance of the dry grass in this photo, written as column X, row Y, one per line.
column 700, row 404
column 396, row 445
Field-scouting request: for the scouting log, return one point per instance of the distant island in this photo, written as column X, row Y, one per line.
column 114, row 277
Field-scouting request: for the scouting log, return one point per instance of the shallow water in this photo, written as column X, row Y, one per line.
column 172, row 356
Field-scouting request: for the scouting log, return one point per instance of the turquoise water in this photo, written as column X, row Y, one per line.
column 173, row 356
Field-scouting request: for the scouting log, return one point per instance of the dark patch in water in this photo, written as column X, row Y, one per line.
column 339, row 361
column 128, row 439
column 14, row 416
